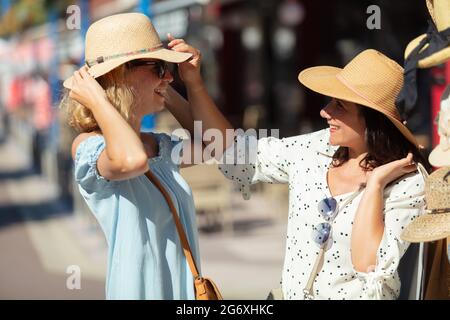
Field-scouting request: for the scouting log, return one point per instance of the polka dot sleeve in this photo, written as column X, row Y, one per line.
column 404, row 203
column 250, row 160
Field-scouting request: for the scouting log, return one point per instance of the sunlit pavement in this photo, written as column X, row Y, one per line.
column 37, row 244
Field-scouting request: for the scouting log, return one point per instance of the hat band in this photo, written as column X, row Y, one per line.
column 438, row 211
column 102, row 59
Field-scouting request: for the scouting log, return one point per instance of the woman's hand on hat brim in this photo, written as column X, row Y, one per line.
column 85, row 89
column 189, row 70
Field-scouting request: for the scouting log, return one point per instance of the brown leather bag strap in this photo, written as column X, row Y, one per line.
column 184, row 241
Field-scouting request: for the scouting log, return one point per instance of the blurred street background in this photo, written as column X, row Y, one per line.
column 252, row 53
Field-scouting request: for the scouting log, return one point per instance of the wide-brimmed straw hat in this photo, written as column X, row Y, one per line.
column 440, row 14
column 435, row 224
column 440, row 156
column 370, row 79
column 116, row 39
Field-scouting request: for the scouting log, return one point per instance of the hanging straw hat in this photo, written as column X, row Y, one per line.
column 440, row 13
column 426, row 51
column 435, row 224
column 440, row 156
column 370, row 79
column 114, row 40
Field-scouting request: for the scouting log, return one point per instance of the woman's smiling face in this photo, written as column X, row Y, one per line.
column 347, row 125
column 149, row 88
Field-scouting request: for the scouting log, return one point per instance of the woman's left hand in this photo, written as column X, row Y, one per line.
column 86, row 90
column 383, row 175
column 189, row 70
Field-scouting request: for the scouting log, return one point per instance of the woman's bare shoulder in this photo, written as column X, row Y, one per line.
column 80, row 138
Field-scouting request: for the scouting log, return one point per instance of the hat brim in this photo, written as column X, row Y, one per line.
column 428, row 227
column 435, row 59
column 100, row 69
column 323, row 80
column 439, row 157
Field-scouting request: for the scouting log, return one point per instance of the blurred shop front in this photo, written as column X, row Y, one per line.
column 267, row 43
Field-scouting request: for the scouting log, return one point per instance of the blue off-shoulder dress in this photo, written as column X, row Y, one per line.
column 145, row 258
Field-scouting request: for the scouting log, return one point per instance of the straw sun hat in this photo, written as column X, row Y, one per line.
column 435, row 224
column 370, row 79
column 440, row 156
column 114, row 40
column 428, row 50
column 440, row 13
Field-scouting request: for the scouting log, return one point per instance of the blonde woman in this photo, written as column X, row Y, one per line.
column 126, row 77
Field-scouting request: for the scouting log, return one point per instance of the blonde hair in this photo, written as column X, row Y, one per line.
column 119, row 94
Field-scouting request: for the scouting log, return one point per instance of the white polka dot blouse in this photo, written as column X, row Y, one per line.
column 302, row 162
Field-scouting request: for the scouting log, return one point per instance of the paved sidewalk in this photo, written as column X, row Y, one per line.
column 40, row 238
column 31, row 232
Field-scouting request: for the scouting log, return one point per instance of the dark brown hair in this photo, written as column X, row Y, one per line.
column 385, row 143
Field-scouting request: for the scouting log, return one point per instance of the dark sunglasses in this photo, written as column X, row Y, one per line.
column 160, row 66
